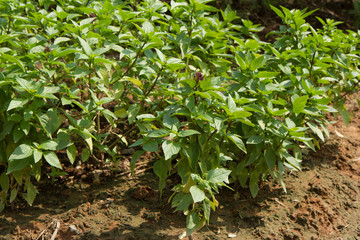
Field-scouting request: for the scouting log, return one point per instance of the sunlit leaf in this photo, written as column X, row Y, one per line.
column 170, row 148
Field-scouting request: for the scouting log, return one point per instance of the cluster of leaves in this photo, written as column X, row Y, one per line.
column 197, row 83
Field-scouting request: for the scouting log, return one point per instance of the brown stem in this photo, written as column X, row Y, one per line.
column 212, row 134
column 98, row 123
column 346, row 93
column 125, row 135
column 133, row 63
column 153, row 85
column 312, row 63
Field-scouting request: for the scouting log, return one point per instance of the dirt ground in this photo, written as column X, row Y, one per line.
column 323, row 202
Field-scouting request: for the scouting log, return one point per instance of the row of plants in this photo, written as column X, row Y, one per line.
column 352, row 8
column 215, row 103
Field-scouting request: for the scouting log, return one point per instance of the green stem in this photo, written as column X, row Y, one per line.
column 89, row 76
column 227, row 130
column 8, row 30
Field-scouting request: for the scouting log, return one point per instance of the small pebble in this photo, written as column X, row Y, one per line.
column 74, row 229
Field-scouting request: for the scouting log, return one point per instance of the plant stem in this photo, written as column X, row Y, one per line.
column 212, row 134
column 153, row 85
column 346, row 93
column 227, row 130
column 98, row 122
column 312, row 63
column 89, row 76
column 8, row 30
column 125, row 135
column 133, row 63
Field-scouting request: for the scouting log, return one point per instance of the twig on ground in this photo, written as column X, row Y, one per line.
column 57, row 226
column 277, row 200
column 56, row 230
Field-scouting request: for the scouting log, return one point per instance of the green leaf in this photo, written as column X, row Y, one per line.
column 231, row 104
column 71, row 153
column 37, row 155
column 13, row 195
column 4, row 182
column 316, row 130
column 238, row 142
column 182, row 201
column 60, row 40
column 242, row 173
column 134, row 158
column 187, row 133
column 88, row 137
column 137, row 143
column 277, row 11
column 21, row 152
column 252, row 45
column 253, row 185
column 52, row 159
column 146, row 117
column 257, row 63
column 85, row 154
column 255, row 139
column 218, row 175
column 107, row 62
column 240, row 114
column 270, row 158
column 132, row 112
column 86, row 47
column 151, row 146
column 26, row 84
column 50, row 121
column 30, row 193
column 197, row 194
column 266, row 74
column 158, row 133
column 25, row 127
column 148, row 27
column 170, row 122
column 17, row 165
column 170, row 148
column 16, row 103
column 206, row 209
column 134, row 81
column 161, row 170
column 294, row 162
column 299, row 104
column 160, row 55
column 344, row 113
column 14, row 60
column 65, row 53
column 18, row 175
column 175, row 63
column 240, row 62
column 192, row 222
column 49, row 145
